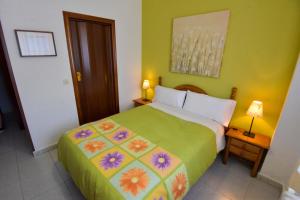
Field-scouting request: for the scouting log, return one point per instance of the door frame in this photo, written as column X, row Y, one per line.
column 12, row 80
column 70, row 15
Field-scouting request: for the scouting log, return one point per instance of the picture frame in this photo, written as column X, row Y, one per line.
column 32, row 43
column 198, row 43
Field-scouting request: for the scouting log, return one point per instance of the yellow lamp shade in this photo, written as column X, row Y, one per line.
column 146, row 84
column 255, row 109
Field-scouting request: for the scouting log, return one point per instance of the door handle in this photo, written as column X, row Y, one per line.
column 79, row 78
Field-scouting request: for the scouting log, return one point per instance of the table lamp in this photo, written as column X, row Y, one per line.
column 255, row 110
column 146, row 86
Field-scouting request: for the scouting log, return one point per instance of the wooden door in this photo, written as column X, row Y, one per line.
column 91, row 43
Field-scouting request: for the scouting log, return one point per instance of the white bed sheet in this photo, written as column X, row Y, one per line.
column 217, row 128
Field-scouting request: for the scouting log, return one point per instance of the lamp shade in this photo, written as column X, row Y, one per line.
column 255, row 109
column 146, row 84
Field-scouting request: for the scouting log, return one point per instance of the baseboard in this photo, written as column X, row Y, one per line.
column 270, row 181
column 44, row 150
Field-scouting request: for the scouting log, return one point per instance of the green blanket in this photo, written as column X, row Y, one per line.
column 142, row 153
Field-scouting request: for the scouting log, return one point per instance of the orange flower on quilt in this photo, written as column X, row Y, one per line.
column 107, row 126
column 179, row 185
column 93, row 146
column 134, row 180
column 137, row 145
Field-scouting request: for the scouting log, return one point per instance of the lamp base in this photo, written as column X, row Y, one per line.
column 146, row 100
column 249, row 134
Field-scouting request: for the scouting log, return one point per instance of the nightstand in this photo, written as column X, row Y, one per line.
column 140, row 102
column 252, row 149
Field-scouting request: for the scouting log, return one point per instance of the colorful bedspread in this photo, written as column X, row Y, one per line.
column 139, row 154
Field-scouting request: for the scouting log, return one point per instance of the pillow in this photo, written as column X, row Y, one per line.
column 169, row 96
column 217, row 109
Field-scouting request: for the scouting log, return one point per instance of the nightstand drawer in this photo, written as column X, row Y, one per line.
column 249, row 156
column 243, row 153
column 249, row 147
column 237, row 143
column 235, row 150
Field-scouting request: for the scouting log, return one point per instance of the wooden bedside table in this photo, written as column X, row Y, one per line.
column 251, row 149
column 140, row 102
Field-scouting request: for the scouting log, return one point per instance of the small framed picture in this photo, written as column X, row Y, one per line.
column 35, row 43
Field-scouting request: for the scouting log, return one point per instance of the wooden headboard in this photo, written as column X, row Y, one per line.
column 196, row 89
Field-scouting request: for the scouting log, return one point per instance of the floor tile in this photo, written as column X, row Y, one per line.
column 11, row 192
column 53, row 154
column 36, row 166
column 204, row 193
column 6, row 141
column 259, row 190
column 23, row 152
column 8, row 169
column 57, row 193
column 75, row 192
column 39, row 184
column 62, row 172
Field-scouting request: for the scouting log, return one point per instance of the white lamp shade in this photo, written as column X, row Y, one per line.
column 146, row 84
column 255, row 109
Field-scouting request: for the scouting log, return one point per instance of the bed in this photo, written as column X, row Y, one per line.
column 152, row 152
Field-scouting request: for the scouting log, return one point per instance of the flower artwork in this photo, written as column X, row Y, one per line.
column 112, row 160
column 93, row 146
column 83, row 134
column 137, row 145
column 179, row 185
column 198, row 43
column 107, row 126
column 161, row 160
column 121, row 135
column 134, row 180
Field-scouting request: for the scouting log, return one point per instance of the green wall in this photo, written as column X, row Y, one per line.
column 261, row 49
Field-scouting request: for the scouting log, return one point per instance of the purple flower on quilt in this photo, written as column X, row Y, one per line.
column 112, row 160
column 161, row 160
column 83, row 134
column 121, row 135
column 160, row 198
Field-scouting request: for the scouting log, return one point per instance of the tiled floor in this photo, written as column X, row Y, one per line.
column 24, row 177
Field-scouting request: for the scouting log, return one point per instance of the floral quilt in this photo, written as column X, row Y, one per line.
column 142, row 153
column 134, row 166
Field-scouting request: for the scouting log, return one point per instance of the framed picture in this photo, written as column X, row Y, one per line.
column 198, row 43
column 35, row 43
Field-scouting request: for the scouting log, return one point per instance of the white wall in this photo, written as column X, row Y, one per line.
column 284, row 154
column 48, row 103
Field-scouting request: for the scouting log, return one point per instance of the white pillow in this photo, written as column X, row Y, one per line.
column 169, row 96
column 217, row 109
